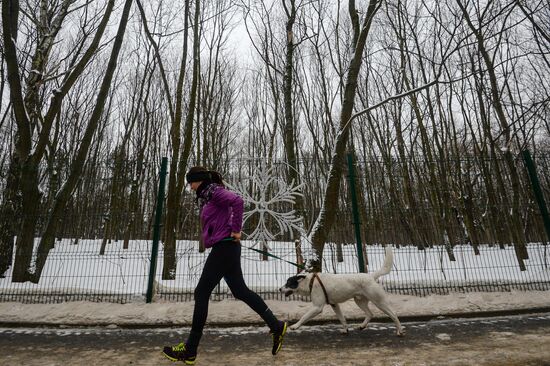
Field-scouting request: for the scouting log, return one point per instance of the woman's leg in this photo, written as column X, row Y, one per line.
column 211, row 275
column 234, row 279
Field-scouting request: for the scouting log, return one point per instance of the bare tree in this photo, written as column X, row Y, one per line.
column 47, row 240
column 496, row 99
column 28, row 116
column 180, row 152
column 216, row 137
column 264, row 33
column 326, row 217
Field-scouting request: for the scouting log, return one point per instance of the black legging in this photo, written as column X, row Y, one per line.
column 224, row 261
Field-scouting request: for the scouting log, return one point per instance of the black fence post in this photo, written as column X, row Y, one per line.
column 537, row 190
column 355, row 212
column 156, row 230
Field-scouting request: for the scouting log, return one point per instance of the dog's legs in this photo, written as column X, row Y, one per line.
column 363, row 303
column 313, row 312
column 341, row 317
column 385, row 307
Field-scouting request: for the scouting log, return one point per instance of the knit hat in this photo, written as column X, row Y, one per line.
column 198, row 176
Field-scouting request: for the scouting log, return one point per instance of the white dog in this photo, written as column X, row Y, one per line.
column 333, row 289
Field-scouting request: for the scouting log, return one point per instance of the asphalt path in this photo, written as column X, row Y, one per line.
column 504, row 340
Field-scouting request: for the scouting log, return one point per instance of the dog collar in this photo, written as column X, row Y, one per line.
column 316, row 276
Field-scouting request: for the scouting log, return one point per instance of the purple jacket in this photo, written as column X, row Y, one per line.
column 220, row 216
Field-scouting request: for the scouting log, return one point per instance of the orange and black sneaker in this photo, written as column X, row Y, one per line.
column 278, row 337
column 179, row 353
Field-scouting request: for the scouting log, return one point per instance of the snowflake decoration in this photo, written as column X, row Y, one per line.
column 264, row 191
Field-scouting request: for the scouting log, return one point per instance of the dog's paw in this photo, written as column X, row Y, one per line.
column 344, row 331
column 294, row 326
column 401, row 333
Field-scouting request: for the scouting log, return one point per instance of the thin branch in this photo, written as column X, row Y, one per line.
column 159, row 60
column 389, row 99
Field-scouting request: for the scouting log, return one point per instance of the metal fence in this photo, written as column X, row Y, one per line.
column 78, row 272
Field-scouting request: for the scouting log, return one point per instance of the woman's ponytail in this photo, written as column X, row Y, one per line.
column 217, row 178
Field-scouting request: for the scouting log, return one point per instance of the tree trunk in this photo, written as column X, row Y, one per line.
column 29, row 207
column 178, row 167
column 11, row 206
column 329, row 206
column 289, row 129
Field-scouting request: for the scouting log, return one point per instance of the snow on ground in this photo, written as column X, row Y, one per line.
column 232, row 312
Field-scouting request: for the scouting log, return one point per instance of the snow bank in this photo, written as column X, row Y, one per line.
column 231, row 312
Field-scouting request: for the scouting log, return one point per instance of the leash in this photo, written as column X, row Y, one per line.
column 301, row 266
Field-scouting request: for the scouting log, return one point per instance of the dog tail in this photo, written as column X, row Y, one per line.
column 386, row 267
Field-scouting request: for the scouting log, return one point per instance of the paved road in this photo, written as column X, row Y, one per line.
column 513, row 341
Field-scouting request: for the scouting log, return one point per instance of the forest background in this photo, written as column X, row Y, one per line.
column 435, row 101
